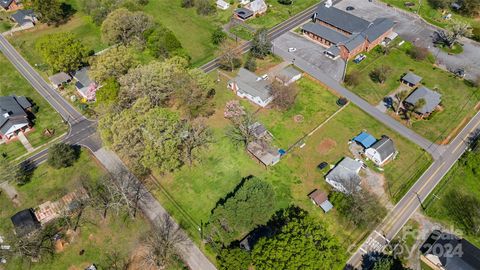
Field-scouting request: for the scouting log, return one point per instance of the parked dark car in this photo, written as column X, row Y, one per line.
column 322, row 165
column 342, row 102
column 388, row 102
column 350, row 8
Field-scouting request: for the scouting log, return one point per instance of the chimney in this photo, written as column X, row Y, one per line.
column 328, row 3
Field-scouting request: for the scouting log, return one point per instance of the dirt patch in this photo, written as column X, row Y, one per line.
column 326, row 145
column 375, row 183
column 298, row 118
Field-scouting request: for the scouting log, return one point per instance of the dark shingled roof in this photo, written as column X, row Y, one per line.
column 325, row 32
column 412, row 78
column 12, row 112
column 377, row 28
column 453, row 252
column 5, row 3
column 243, row 13
column 432, row 99
column 23, row 16
column 25, row 222
column 384, row 147
column 341, row 19
column 355, row 41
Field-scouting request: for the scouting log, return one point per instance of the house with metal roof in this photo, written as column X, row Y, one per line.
column 344, row 176
column 381, row 151
column 13, row 116
column 344, row 34
column 411, row 79
column 288, row 75
column 432, row 100
column 320, row 199
column 248, row 85
column 365, row 139
column 446, row 251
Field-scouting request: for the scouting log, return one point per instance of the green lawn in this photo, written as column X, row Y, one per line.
column 431, row 15
column 458, row 96
column 97, row 236
column 242, row 32
column 5, row 23
column 14, row 84
column 462, row 178
column 277, row 13
column 194, row 191
column 194, row 31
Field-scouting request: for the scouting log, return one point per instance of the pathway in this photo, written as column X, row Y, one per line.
column 21, row 137
column 11, row 192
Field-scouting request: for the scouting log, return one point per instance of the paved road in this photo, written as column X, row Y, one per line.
column 83, row 132
column 432, row 148
column 405, row 208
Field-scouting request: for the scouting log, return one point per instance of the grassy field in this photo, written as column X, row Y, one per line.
column 458, row 96
column 462, row 178
column 194, row 31
column 431, row 15
column 242, row 32
column 277, row 13
column 191, row 193
column 97, row 236
column 5, row 23
column 14, row 84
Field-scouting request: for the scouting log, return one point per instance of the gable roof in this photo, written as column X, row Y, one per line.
column 321, row 199
column 288, row 72
column 353, row 42
column 5, row 3
column 384, row 147
column 248, row 83
column 432, row 99
column 23, row 16
column 345, row 169
column 377, row 28
column 83, row 80
column 412, row 78
column 59, row 78
column 365, row 139
column 25, row 222
column 257, row 6
column 325, row 32
column 12, row 112
column 341, row 19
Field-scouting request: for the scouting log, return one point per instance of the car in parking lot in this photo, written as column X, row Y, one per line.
column 359, row 58
column 292, row 49
column 350, row 8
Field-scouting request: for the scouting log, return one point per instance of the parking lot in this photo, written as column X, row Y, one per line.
column 411, row 28
column 310, row 52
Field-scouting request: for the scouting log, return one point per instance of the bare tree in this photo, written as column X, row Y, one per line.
column 163, row 243
column 195, row 135
column 116, row 261
column 350, row 182
column 105, row 196
column 233, row 109
column 283, row 95
column 399, row 99
column 229, row 57
column 450, row 37
column 380, row 73
column 241, row 129
column 410, row 112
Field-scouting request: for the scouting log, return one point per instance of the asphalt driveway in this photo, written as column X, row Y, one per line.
column 410, row 27
column 312, row 53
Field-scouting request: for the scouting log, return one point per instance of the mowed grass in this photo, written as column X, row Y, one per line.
column 313, row 103
column 461, row 178
column 192, row 192
column 431, row 15
column 458, row 96
column 193, row 30
column 277, row 13
column 46, row 118
column 97, row 236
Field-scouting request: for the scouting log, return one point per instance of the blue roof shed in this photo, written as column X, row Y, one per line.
column 365, row 139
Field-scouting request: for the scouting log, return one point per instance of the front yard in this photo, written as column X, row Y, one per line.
column 96, row 237
column 46, row 118
column 192, row 192
column 459, row 98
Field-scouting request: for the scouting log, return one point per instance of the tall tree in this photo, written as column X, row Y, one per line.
column 205, row 7
column 380, row 73
column 218, row 36
column 62, row 51
column 240, row 132
column 113, row 63
column 301, row 243
column 51, row 12
column 124, row 26
column 195, row 135
column 108, row 94
column 450, row 37
column 194, row 90
column 61, row 155
column 229, row 57
column 261, row 44
column 250, row 205
column 162, row 42
column 283, row 95
column 233, row 258
column 399, row 99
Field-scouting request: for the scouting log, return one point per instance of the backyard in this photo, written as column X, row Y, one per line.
column 277, row 13
column 46, row 118
column 97, row 237
column 192, row 192
column 431, row 15
column 459, row 97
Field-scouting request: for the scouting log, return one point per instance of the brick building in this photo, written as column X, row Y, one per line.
column 343, row 34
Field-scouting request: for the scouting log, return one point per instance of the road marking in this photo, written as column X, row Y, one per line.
column 388, row 241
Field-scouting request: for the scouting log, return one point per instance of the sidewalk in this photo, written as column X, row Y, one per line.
column 21, row 137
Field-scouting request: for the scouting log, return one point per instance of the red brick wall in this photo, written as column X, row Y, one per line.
column 319, row 21
column 374, row 43
column 317, row 38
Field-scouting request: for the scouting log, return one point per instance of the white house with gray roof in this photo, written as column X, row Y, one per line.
column 250, row 86
column 24, row 19
column 344, row 175
column 432, row 100
column 13, row 116
column 381, row 151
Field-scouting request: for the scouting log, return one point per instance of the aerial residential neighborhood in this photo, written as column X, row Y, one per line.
column 243, row 134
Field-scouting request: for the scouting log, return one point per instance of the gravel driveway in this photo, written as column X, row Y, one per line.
column 410, row 27
column 312, row 53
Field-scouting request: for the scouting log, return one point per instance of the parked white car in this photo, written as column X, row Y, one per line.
column 292, row 49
